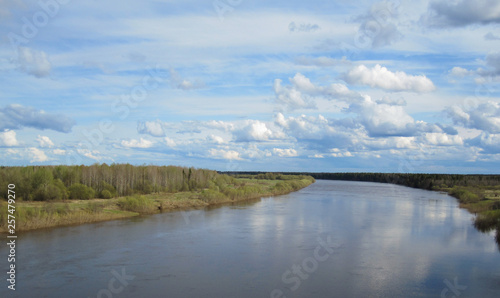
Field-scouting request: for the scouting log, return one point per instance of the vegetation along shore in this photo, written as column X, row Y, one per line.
column 48, row 196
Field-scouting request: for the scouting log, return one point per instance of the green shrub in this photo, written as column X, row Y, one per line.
column 465, row 196
column 79, row 191
column 210, row 196
column 137, row 203
column 105, row 194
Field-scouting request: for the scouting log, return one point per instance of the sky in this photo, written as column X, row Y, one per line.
column 250, row 85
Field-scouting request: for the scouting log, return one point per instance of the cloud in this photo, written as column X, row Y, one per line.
column 8, row 138
column 459, row 72
column 142, row 143
column 176, row 81
column 320, row 61
column 491, row 36
column 224, row 154
column 291, row 97
column 485, row 116
column 445, row 13
column 301, row 93
column 256, row 131
column 89, row 154
column 285, row 152
column 37, row 155
column 336, row 152
column 59, row 151
column 381, row 77
column 377, row 28
column 153, row 128
column 381, row 119
column 441, row 139
column 489, row 143
column 16, row 116
column 493, row 62
column 215, row 139
column 319, row 133
column 170, row 143
column 302, row 27
column 44, row 141
column 33, row 62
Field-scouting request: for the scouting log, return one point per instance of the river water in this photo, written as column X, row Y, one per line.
column 331, row 239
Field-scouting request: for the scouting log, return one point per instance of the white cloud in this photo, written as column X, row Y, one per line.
column 291, row 97
column 141, row 143
column 225, row 154
column 170, row 143
column 37, row 155
column 459, row 72
column 44, row 141
column 153, row 128
column 285, row 152
column 336, row 152
column 485, row 116
column 258, row 131
column 489, row 143
column 388, row 120
column 318, row 133
column 441, row 139
column 381, row 77
column 8, row 138
column 33, row 62
column 301, row 93
column 215, row 139
column 59, row 151
column 89, row 154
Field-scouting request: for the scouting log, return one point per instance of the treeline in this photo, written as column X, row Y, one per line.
column 423, row 181
column 46, row 183
column 272, row 176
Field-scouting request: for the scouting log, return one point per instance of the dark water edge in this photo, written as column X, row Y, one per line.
column 331, row 239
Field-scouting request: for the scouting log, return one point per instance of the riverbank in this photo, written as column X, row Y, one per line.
column 32, row 215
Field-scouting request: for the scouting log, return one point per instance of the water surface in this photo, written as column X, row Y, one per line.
column 331, row 239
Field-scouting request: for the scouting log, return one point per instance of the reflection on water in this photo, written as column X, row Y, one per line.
column 332, row 239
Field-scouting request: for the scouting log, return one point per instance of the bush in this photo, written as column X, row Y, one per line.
column 105, row 194
column 210, row 195
column 137, row 203
column 465, row 196
column 79, row 191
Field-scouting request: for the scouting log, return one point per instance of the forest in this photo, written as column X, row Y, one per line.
column 47, row 196
column 46, row 183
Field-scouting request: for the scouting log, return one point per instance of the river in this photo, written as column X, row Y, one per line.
column 331, row 239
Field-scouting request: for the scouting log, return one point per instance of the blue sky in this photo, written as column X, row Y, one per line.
column 391, row 86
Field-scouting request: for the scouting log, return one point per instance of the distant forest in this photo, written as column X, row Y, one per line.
column 423, row 181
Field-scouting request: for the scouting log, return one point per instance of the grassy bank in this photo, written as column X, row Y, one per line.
column 34, row 215
column 484, row 201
